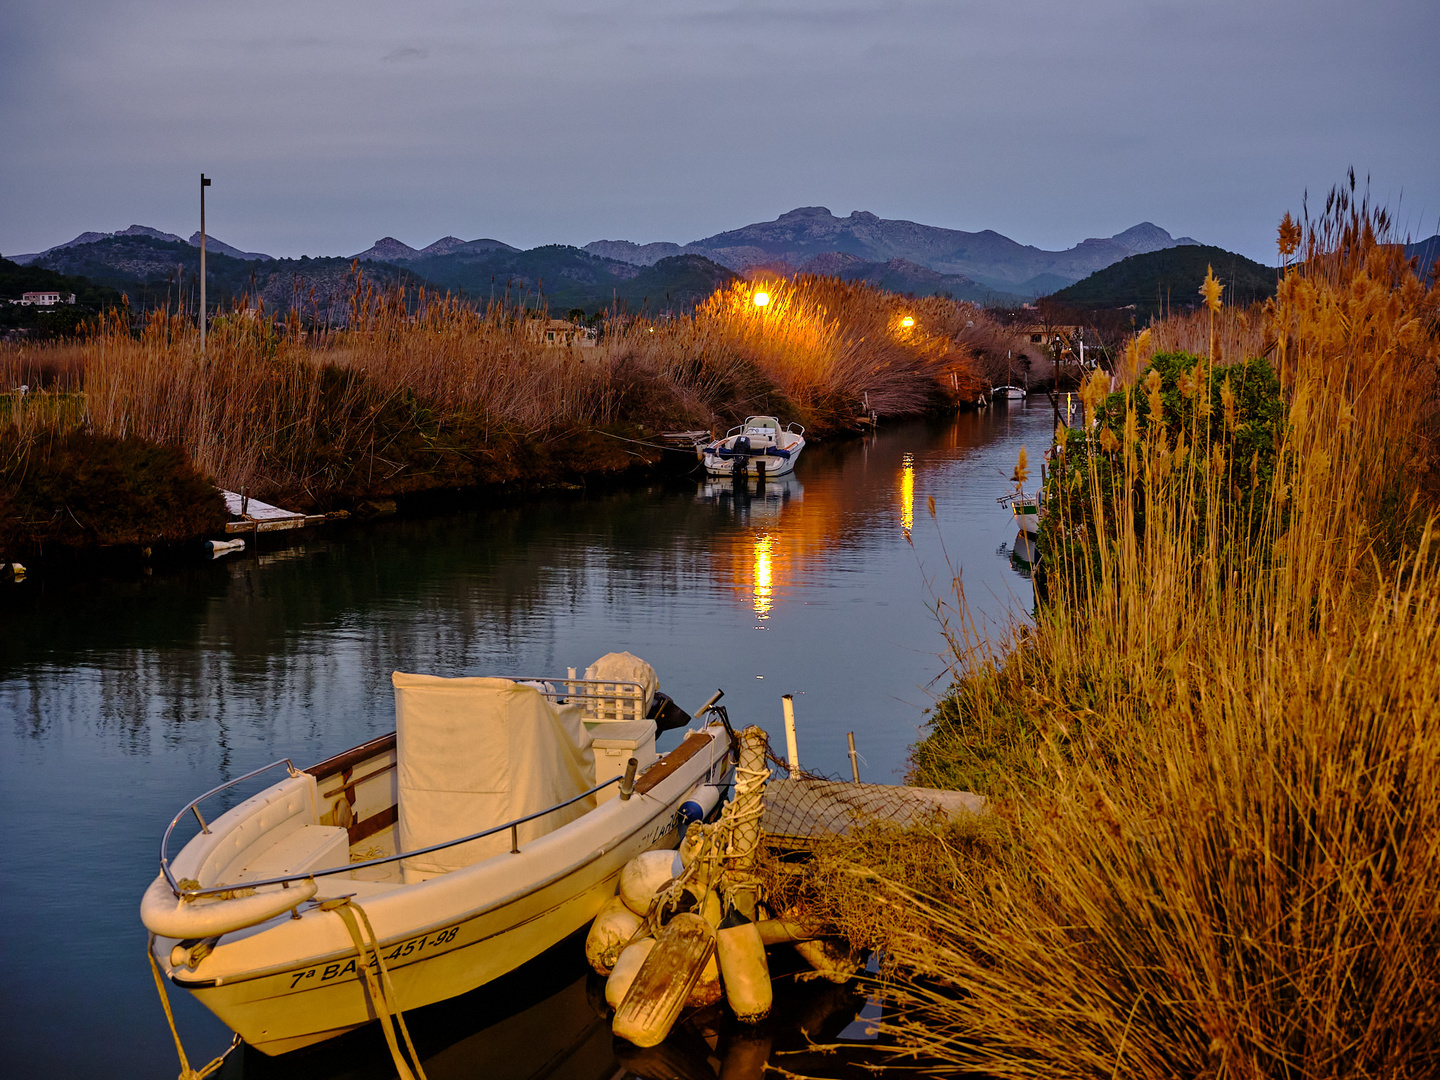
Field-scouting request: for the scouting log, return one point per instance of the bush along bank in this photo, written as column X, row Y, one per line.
column 65, row 491
column 64, row 494
column 1214, row 758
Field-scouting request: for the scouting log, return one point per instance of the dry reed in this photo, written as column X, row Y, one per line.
column 423, row 390
column 1217, row 757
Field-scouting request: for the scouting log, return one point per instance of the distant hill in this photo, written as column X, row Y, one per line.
column 212, row 245
column 902, row 276
column 16, row 280
column 628, row 251
column 154, row 272
column 568, row 277
column 388, row 249
column 986, row 258
column 1425, row 252
column 1170, row 278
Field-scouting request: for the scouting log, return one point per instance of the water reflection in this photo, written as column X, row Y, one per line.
column 123, row 697
column 549, row 1019
column 907, row 493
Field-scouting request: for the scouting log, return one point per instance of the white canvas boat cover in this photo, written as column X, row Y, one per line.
column 475, row 753
column 626, row 667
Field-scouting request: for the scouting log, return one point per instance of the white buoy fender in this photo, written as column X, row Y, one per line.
column 664, row 981
column 831, row 959
column 706, row 991
column 745, row 969
column 609, row 934
column 644, row 876
column 165, row 915
column 627, row 966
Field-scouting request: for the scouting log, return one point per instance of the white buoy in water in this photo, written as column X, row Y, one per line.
column 609, row 934
column 664, row 981
column 224, row 547
column 744, row 968
column 627, row 966
column 644, row 876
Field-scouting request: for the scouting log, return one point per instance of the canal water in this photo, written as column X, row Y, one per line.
column 121, row 698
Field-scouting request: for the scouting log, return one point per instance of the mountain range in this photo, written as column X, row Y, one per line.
column 985, row 259
column 901, row 255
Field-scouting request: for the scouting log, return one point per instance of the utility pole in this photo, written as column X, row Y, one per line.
column 204, row 183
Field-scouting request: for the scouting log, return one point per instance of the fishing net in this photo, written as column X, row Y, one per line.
column 827, row 844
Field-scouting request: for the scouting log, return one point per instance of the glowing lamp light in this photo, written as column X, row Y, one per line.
column 907, row 322
column 761, row 299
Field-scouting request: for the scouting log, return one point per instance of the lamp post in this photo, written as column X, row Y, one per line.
column 204, row 183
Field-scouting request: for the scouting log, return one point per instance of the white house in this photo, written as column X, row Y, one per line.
column 563, row 332
column 43, row 299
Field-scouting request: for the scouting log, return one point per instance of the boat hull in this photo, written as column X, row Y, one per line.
column 1027, row 518
column 774, row 466
column 293, row 982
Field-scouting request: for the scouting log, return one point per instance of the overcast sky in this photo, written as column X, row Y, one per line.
column 327, row 125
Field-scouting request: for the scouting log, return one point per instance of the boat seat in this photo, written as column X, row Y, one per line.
column 615, row 743
column 310, row 847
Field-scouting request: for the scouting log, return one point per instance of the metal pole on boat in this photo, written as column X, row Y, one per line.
column 713, row 699
column 854, row 762
column 627, row 782
column 792, row 751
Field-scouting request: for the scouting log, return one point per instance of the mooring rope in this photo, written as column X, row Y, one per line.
column 186, row 1072
column 382, row 990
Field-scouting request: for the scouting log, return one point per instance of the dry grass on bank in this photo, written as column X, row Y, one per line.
column 415, row 383
column 1220, row 759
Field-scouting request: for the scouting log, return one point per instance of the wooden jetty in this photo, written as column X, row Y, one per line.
column 798, row 811
column 253, row 516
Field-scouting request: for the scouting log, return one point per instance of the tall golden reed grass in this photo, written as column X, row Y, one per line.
column 1216, row 759
column 279, row 411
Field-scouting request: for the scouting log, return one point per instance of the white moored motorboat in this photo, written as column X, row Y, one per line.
column 1025, row 509
column 759, row 446
column 490, row 825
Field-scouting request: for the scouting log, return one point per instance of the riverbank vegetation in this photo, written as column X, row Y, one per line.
column 423, row 393
column 1214, row 758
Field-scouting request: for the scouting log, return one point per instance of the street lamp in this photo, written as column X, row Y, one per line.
column 761, row 299
column 204, row 183
column 907, row 322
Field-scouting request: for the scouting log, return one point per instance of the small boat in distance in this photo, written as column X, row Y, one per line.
column 490, row 825
column 760, row 445
column 1007, row 393
column 1026, row 510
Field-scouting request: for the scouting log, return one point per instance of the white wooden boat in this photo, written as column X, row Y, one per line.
column 758, row 445
column 1025, row 508
column 1007, row 393
column 493, row 823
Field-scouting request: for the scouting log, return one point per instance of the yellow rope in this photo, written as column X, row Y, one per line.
column 382, row 990
column 186, row 1072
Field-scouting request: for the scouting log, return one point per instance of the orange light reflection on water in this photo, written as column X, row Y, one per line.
column 907, row 493
column 764, row 568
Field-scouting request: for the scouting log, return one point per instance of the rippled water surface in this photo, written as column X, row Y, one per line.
column 121, row 699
